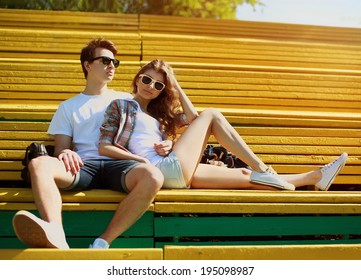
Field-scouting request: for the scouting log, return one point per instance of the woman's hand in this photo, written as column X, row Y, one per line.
column 71, row 159
column 163, row 148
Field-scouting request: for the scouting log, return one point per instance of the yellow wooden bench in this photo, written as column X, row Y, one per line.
column 82, row 254
column 248, row 29
column 85, row 216
column 62, row 44
column 289, row 252
column 204, row 217
column 31, row 89
column 244, row 51
column 68, row 20
column 296, row 115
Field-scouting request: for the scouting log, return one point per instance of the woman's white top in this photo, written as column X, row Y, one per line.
column 146, row 133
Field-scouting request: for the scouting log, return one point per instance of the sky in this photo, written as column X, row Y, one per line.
column 343, row 13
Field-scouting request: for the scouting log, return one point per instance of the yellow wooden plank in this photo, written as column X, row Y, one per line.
column 252, row 61
column 24, row 126
column 262, row 68
column 69, row 20
column 285, row 132
column 196, row 71
column 10, row 165
column 269, row 153
column 54, row 67
column 275, row 103
column 13, row 115
column 257, row 208
column 19, row 145
column 25, row 135
column 14, row 175
column 77, row 36
column 264, row 252
column 95, row 195
column 262, row 51
column 81, row 254
column 196, row 196
column 257, row 142
column 247, row 196
column 15, row 206
column 247, row 29
column 132, row 56
column 10, row 175
column 252, row 134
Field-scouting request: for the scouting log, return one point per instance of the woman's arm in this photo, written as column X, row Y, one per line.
column 109, row 150
column 188, row 108
column 112, row 119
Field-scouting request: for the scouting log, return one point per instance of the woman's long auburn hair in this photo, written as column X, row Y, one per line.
column 166, row 106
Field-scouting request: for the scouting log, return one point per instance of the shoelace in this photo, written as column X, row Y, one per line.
column 270, row 170
column 327, row 166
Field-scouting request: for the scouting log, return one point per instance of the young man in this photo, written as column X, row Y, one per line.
column 77, row 164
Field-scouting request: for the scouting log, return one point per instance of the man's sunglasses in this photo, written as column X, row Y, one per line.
column 145, row 79
column 106, row 60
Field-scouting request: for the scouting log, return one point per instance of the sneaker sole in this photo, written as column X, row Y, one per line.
column 30, row 232
column 273, row 185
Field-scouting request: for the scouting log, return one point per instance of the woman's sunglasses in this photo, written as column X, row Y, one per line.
column 145, row 79
column 106, row 60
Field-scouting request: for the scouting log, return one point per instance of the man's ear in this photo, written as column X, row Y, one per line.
column 86, row 65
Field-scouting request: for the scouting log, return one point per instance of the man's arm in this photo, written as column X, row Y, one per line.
column 63, row 151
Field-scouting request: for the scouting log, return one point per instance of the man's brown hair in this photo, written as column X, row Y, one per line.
column 88, row 52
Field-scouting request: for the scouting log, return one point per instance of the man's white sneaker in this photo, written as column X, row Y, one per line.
column 99, row 243
column 270, row 178
column 330, row 171
column 37, row 233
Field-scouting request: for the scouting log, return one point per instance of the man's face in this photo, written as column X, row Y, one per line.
column 102, row 68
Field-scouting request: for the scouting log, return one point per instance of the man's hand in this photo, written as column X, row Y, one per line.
column 163, row 148
column 71, row 159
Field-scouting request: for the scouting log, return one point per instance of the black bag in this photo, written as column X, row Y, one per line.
column 32, row 151
column 220, row 156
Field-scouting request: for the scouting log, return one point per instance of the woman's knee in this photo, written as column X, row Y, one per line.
column 212, row 113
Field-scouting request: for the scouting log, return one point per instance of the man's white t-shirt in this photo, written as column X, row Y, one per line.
column 80, row 117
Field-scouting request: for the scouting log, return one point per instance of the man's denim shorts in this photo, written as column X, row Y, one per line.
column 103, row 174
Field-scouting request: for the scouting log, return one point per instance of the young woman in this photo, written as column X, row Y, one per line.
column 138, row 128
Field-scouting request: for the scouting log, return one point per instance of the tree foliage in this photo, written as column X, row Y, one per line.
column 220, row 9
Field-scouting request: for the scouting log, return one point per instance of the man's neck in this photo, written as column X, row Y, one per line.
column 95, row 89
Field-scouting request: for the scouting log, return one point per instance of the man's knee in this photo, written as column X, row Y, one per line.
column 39, row 164
column 147, row 177
column 153, row 176
column 50, row 168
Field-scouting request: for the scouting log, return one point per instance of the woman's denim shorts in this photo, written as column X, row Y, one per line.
column 172, row 172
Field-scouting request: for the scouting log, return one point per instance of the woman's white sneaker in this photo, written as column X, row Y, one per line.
column 271, row 178
column 330, row 171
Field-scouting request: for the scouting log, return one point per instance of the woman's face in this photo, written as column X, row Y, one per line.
column 150, row 84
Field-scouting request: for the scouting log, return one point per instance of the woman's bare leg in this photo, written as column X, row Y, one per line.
column 215, row 177
column 192, row 142
column 303, row 179
column 209, row 176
